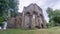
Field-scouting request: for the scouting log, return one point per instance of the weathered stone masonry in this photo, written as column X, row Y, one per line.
column 31, row 17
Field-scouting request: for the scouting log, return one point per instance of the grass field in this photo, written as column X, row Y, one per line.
column 54, row 30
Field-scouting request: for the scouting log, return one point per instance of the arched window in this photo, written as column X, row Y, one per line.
column 41, row 15
column 27, row 12
column 34, row 12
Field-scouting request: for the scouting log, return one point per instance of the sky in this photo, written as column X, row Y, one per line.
column 44, row 4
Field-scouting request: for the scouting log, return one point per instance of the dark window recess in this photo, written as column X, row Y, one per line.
column 28, row 13
column 42, row 25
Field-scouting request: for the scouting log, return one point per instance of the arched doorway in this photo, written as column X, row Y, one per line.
column 27, row 20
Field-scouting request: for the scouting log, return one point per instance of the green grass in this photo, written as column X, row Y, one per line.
column 54, row 30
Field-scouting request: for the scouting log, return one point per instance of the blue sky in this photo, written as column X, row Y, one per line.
column 54, row 4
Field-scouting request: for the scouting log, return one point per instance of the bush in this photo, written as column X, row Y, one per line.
column 1, row 20
column 48, row 25
column 52, row 24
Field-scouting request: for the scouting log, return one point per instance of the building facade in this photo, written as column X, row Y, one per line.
column 31, row 17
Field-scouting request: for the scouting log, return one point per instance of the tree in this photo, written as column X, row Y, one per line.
column 54, row 16
column 3, row 9
column 3, row 6
column 1, row 20
column 50, row 13
column 13, row 4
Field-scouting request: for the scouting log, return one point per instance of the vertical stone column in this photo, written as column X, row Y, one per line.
column 33, row 21
column 40, row 21
column 30, row 21
column 36, row 21
column 23, row 21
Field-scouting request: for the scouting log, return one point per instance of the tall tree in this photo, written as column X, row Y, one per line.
column 50, row 13
column 13, row 5
column 54, row 16
column 3, row 10
column 3, row 6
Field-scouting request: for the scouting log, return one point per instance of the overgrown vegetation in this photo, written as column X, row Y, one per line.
column 5, row 5
column 1, row 20
column 54, row 17
column 13, row 6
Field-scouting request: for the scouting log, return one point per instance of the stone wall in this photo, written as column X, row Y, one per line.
column 31, row 17
column 18, row 21
column 15, row 22
column 11, row 22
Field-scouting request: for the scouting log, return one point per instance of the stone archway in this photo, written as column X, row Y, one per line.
column 27, row 20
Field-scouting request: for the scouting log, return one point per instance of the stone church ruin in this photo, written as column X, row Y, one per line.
column 31, row 17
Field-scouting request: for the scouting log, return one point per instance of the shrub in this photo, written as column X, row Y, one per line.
column 1, row 20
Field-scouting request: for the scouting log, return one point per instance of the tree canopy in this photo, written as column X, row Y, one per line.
column 5, row 5
column 13, row 4
column 54, row 16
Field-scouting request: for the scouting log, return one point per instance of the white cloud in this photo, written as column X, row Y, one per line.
column 56, row 6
